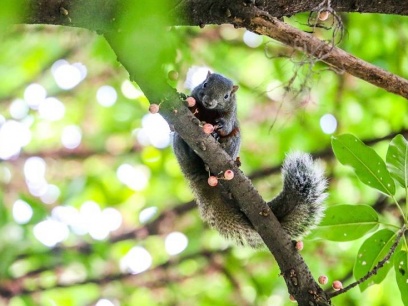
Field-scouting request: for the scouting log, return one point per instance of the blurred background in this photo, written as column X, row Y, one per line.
column 93, row 207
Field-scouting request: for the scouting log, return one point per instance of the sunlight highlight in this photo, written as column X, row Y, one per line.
column 137, row 260
column 106, row 96
column 104, row 302
column 51, row 194
column 195, row 76
column 22, row 212
column 252, row 40
column 19, row 109
column 50, row 232
column 51, row 109
column 68, row 76
column 175, row 243
column 14, row 136
column 328, row 123
column 34, row 94
column 135, row 177
column 71, row 137
column 89, row 219
column 130, row 91
column 147, row 214
column 155, row 131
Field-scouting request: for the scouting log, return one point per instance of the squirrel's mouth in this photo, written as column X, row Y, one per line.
column 210, row 104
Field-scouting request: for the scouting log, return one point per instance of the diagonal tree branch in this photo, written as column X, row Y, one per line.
column 335, row 57
column 157, row 277
column 294, row 270
column 259, row 19
column 147, row 74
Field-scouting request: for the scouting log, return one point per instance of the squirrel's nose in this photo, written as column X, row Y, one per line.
column 211, row 103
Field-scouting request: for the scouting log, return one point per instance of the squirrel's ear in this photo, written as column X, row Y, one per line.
column 209, row 73
column 234, row 88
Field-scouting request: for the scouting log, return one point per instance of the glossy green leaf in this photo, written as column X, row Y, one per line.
column 373, row 250
column 401, row 273
column 346, row 222
column 367, row 164
column 397, row 160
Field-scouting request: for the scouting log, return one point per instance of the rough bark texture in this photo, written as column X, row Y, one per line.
column 99, row 15
column 102, row 16
column 294, row 270
column 218, row 12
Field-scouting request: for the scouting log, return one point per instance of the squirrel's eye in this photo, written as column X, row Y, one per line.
column 226, row 96
column 205, row 84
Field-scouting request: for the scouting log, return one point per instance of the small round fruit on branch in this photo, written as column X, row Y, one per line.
column 208, row 128
column 191, row 101
column 337, row 285
column 323, row 279
column 212, row 181
column 299, row 245
column 228, row 175
column 323, row 15
column 154, row 108
column 173, row 75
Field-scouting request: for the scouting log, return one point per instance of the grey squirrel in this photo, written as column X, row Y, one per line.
column 299, row 205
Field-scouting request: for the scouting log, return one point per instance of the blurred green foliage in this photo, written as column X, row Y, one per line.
column 274, row 122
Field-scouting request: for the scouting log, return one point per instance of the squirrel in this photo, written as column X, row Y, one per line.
column 299, row 206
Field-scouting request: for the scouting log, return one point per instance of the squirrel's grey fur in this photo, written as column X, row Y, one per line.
column 299, row 206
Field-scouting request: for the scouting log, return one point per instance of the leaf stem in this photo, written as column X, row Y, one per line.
column 406, row 200
column 390, row 225
column 401, row 210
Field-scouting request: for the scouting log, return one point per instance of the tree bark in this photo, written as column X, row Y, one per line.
column 103, row 15
column 99, row 15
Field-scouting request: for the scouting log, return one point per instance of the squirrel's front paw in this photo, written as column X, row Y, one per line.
column 220, row 127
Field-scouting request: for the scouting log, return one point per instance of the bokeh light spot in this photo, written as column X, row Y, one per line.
column 328, row 123
column 13, row 136
column 50, row 232
column 130, row 91
column 146, row 214
column 137, row 260
column 34, row 94
column 51, row 109
column 19, row 109
column 106, row 96
column 175, row 243
column 71, row 137
column 135, row 177
column 22, row 212
column 68, row 76
column 155, row 131
column 252, row 40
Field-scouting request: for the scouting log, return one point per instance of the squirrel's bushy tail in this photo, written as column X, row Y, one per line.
column 299, row 206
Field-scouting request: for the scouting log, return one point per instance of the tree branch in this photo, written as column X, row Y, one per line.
column 264, row 24
column 101, row 16
column 378, row 266
column 295, row 271
column 157, row 277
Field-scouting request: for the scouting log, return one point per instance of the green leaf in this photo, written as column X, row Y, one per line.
column 397, row 160
column 373, row 250
column 401, row 273
column 10, row 12
column 367, row 164
column 346, row 222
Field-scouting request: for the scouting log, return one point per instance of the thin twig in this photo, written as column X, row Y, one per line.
column 265, row 24
column 374, row 271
